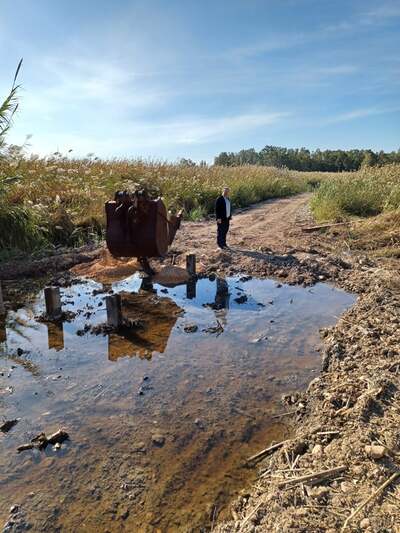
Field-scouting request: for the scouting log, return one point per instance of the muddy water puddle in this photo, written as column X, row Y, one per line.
column 161, row 419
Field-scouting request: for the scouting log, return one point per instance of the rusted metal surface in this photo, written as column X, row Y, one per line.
column 138, row 226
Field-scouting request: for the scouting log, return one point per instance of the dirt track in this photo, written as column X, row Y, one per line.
column 273, row 224
column 264, row 240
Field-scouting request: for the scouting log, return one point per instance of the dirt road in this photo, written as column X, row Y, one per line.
column 264, row 240
column 272, row 224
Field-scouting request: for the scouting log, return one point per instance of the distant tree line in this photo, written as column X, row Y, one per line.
column 303, row 159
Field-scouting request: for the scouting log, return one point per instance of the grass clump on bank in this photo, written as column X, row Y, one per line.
column 58, row 200
column 373, row 194
column 368, row 192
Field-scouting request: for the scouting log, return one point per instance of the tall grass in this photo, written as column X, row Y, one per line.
column 370, row 191
column 60, row 200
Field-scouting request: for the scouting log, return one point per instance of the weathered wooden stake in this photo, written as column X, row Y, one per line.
column 191, row 264
column 2, row 306
column 52, row 298
column 114, row 310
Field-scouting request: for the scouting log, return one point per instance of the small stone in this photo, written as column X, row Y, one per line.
column 365, row 523
column 125, row 515
column 199, row 423
column 140, row 447
column 318, row 492
column 57, row 446
column 14, row 509
column 345, row 487
column 190, row 328
column 375, row 451
column 158, row 439
column 317, row 450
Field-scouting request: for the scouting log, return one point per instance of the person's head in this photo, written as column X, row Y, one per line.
column 225, row 192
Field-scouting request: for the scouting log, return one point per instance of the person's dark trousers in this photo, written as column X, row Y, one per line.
column 222, row 230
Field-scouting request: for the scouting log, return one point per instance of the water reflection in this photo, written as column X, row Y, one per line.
column 55, row 335
column 3, row 331
column 191, row 289
column 210, row 397
column 221, row 301
column 155, row 319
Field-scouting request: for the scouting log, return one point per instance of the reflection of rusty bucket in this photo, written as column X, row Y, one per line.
column 138, row 226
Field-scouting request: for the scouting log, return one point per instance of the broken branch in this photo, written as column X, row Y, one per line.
column 313, row 477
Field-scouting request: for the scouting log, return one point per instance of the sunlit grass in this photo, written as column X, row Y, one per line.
column 368, row 192
column 60, row 200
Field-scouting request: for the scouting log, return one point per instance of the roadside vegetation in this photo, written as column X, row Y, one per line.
column 371, row 191
column 59, row 200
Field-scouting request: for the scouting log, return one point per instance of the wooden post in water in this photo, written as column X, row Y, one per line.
column 52, row 298
column 2, row 306
column 191, row 265
column 114, row 310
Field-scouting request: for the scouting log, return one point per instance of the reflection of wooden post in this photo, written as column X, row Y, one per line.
column 2, row 306
column 55, row 335
column 3, row 331
column 222, row 286
column 114, row 310
column 191, row 265
column 53, row 301
column 191, row 289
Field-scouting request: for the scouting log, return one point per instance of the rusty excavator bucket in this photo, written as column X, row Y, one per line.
column 137, row 226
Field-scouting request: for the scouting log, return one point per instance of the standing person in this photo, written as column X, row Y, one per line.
column 223, row 214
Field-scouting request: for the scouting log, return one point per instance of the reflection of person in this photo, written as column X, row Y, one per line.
column 223, row 214
column 221, row 301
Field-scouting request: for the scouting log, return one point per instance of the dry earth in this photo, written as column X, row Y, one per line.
column 347, row 422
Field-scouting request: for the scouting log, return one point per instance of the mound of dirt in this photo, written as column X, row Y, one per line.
column 170, row 276
column 107, row 268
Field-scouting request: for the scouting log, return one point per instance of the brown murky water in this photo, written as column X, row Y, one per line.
column 160, row 423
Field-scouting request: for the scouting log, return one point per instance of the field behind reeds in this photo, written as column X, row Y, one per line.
column 54, row 201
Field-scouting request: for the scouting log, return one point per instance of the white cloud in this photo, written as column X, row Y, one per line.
column 338, row 70
column 362, row 113
column 92, row 81
column 272, row 44
column 134, row 138
column 386, row 11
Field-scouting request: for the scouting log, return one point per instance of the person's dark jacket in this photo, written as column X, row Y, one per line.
column 220, row 208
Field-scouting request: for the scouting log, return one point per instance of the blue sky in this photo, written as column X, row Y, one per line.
column 192, row 78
